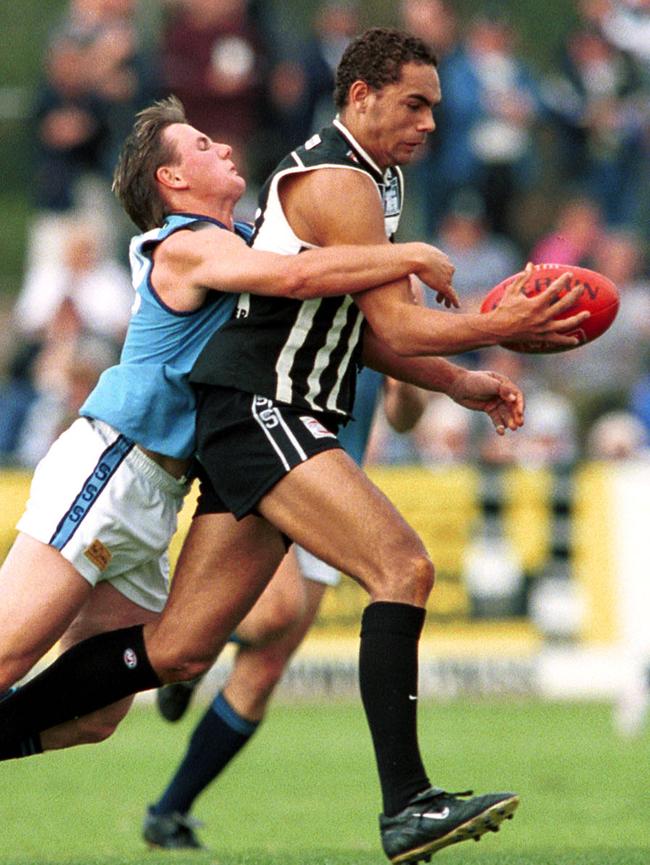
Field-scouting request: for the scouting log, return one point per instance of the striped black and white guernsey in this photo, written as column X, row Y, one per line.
column 303, row 353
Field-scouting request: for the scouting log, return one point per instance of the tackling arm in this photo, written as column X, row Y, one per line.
column 190, row 263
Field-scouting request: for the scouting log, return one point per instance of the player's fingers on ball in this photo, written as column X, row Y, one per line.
column 550, row 296
column 567, row 300
column 517, row 284
column 564, row 325
column 561, row 339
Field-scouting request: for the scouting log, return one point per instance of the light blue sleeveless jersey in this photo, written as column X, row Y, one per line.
column 147, row 396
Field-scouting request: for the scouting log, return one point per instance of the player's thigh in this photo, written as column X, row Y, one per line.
column 40, row 595
column 106, row 609
column 222, row 569
column 280, row 606
column 330, row 507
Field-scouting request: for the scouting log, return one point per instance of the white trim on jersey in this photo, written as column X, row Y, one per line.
column 345, row 132
column 243, row 305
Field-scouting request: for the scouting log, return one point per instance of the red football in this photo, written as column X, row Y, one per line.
column 599, row 296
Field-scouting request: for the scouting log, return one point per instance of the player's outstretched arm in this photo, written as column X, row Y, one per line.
column 329, row 206
column 403, row 403
column 489, row 392
column 412, row 331
column 194, row 262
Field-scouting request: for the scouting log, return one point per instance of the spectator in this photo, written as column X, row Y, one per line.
column 96, row 286
column 213, row 57
column 481, row 257
column 70, row 132
column 575, row 237
column 624, row 23
column 83, row 300
column 593, row 103
column 125, row 73
column 617, row 435
column 302, row 83
column 602, row 375
column 550, row 435
column 486, row 122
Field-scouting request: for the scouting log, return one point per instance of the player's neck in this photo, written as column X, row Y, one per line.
column 363, row 139
column 222, row 211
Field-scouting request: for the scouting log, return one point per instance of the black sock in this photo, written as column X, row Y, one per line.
column 388, row 679
column 93, row 674
column 218, row 736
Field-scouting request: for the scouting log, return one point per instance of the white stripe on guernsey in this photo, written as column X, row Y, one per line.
column 354, row 338
column 296, row 339
column 324, row 353
column 267, row 433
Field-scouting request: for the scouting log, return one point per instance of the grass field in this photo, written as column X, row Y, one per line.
column 304, row 793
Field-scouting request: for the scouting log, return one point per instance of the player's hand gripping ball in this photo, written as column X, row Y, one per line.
column 599, row 296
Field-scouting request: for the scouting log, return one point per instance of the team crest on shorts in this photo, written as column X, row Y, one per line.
column 316, row 428
column 99, row 555
column 130, row 659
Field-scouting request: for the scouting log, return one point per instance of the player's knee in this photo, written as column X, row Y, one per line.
column 100, row 725
column 13, row 669
column 181, row 666
column 279, row 619
column 408, row 576
column 92, row 732
column 419, row 577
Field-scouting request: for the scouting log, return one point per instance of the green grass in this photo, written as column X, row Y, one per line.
column 305, row 790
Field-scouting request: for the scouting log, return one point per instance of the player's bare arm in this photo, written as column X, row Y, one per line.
column 485, row 391
column 318, row 209
column 192, row 262
column 403, row 404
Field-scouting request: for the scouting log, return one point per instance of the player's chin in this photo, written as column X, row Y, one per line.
column 406, row 153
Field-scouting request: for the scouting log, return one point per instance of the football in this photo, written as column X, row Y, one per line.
column 599, row 295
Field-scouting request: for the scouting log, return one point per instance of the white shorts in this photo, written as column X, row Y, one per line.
column 108, row 508
column 315, row 569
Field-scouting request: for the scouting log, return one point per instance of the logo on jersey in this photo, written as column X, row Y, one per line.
column 98, row 554
column 390, row 196
column 316, row 428
column 130, row 659
column 314, row 141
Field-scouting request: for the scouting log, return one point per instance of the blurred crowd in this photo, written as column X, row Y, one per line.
column 526, row 164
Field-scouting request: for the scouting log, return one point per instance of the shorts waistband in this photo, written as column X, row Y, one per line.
column 140, row 461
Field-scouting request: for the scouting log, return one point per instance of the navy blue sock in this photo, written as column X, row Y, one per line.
column 388, row 680
column 216, row 739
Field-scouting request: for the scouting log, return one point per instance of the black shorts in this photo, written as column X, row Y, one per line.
column 247, row 443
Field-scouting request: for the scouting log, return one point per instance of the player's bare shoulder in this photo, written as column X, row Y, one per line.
column 182, row 261
column 331, row 204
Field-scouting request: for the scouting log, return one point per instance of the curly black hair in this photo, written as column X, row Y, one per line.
column 377, row 57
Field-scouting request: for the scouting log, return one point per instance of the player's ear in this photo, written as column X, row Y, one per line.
column 358, row 95
column 169, row 175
